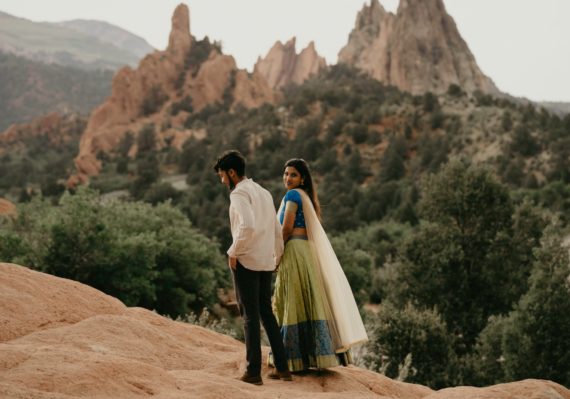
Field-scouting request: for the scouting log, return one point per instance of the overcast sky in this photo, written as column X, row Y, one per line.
column 523, row 45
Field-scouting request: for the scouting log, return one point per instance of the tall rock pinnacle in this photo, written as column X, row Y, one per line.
column 180, row 39
column 419, row 49
column 282, row 65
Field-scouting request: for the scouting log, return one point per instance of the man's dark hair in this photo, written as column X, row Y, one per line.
column 231, row 159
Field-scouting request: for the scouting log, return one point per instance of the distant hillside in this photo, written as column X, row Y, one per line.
column 29, row 89
column 559, row 108
column 112, row 34
column 54, row 43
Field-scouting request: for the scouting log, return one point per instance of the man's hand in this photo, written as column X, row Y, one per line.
column 232, row 262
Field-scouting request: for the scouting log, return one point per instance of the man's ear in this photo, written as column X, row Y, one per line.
column 232, row 173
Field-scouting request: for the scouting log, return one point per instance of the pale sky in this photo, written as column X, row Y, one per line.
column 523, row 45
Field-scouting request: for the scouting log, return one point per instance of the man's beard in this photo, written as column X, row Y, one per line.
column 232, row 185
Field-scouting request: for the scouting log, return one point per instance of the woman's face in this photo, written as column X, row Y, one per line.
column 291, row 178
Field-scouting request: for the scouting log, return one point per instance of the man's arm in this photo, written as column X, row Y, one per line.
column 244, row 213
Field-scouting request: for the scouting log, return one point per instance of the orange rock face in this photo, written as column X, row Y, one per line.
column 58, row 128
column 282, row 65
column 61, row 339
column 145, row 96
column 417, row 50
column 7, row 209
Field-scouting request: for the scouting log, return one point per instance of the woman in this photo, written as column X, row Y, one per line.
column 313, row 302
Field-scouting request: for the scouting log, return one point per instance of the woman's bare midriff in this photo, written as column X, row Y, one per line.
column 299, row 231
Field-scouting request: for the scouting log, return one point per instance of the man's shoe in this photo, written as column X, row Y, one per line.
column 251, row 379
column 280, row 375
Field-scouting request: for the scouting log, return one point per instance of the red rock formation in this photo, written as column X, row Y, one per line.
column 419, row 49
column 61, row 339
column 144, row 95
column 7, row 208
column 282, row 65
column 58, row 128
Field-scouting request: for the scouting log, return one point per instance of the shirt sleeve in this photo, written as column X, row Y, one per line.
column 245, row 219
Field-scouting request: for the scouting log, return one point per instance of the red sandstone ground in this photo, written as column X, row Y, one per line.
column 60, row 339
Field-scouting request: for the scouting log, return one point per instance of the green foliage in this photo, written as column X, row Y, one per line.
column 457, row 261
column 147, row 173
column 432, row 152
column 207, row 320
column 483, row 100
column 203, row 116
column 143, row 255
column 153, row 101
column 184, row 104
column 358, row 132
column 436, row 120
column 455, row 90
column 147, row 169
column 355, row 169
column 199, row 52
column 398, row 333
column 392, row 166
column 523, row 142
column 146, row 140
column 430, row 102
column 39, row 161
column 507, row 121
column 162, row 192
column 127, row 141
column 486, row 365
column 555, row 197
column 536, row 342
column 560, row 160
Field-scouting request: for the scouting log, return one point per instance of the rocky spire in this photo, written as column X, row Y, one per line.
column 419, row 49
column 147, row 94
column 180, row 39
column 282, row 65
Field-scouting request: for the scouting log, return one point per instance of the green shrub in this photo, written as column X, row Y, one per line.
column 144, row 255
column 536, row 342
column 411, row 332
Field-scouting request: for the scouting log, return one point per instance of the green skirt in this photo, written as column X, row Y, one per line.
column 300, row 311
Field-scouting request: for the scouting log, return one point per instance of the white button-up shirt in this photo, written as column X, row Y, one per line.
column 257, row 239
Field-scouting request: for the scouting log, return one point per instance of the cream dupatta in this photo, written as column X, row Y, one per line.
column 345, row 322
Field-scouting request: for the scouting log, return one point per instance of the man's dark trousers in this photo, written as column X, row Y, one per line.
column 253, row 292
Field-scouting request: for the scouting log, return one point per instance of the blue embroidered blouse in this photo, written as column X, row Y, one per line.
column 294, row 196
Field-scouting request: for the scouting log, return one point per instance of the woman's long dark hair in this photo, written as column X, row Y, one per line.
column 308, row 186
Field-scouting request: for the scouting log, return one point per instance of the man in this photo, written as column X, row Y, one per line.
column 256, row 250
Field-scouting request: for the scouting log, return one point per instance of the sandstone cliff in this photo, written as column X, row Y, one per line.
column 146, row 95
column 57, row 128
column 61, row 339
column 417, row 50
column 282, row 65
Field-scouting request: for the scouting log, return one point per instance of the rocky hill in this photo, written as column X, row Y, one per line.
column 111, row 34
column 61, row 339
column 282, row 65
column 560, row 108
column 68, row 43
column 163, row 91
column 57, row 129
column 29, row 89
column 418, row 49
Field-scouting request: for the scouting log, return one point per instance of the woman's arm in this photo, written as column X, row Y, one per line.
column 288, row 220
